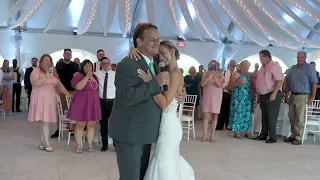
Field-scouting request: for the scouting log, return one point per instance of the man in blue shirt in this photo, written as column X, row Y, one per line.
column 302, row 84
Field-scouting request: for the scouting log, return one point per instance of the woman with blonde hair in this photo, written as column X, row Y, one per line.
column 8, row 77
column 240, row 107
column 43, row 102
column 212, row 82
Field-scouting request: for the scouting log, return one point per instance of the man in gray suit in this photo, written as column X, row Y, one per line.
column 135, row 118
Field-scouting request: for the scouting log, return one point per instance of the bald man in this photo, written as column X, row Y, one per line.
column 301, row 82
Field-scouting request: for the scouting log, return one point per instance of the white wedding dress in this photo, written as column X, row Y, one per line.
column 167, row 163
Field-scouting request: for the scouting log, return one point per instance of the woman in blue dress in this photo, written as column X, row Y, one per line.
column 241, row 100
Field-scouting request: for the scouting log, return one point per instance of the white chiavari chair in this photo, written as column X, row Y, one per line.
column 63, row 120
column 312, row 120
column 187, row 120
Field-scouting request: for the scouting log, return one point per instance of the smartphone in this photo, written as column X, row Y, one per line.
column 51, row 70
column 212, row 68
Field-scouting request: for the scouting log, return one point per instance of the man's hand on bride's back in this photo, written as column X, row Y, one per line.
column 134, row 53
column 163, row 78
column 180, row 97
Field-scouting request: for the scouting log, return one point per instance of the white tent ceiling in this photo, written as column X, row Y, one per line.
column 285, row 23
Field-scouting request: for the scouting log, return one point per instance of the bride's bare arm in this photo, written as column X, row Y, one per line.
column 163, row 100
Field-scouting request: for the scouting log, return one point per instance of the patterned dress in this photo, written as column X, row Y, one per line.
column 240, row 107
column 43, row 102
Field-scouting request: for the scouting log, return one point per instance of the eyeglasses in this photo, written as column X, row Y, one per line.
column 108, row 63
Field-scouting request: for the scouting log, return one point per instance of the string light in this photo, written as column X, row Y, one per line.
column 284, row 29
column 23, row 20
column 263, row 29
column 235, row 21
column 127, row 16
column 305, row 11
column 201, row 22
column 91, row 17
column 175, row 19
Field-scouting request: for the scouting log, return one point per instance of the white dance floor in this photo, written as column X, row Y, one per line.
column 227, row 159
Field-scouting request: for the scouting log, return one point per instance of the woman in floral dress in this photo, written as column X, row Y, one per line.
column 241, row 99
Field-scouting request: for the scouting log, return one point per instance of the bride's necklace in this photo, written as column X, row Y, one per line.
column 92, row 86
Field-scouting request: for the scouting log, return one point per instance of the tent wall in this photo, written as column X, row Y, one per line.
column 36, row 44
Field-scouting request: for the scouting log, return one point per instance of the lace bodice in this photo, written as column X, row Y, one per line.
column 172, row 107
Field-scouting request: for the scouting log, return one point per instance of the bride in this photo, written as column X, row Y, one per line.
column 167, row 163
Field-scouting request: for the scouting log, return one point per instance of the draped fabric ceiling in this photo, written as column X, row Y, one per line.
column 292, row 24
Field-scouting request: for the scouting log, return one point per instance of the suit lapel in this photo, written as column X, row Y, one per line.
column 143, row 64
column 156, row 66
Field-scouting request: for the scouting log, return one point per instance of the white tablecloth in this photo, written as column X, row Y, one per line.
column 283, row 125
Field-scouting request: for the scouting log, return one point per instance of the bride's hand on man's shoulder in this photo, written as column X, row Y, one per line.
column 145, row 76
column 134, row 53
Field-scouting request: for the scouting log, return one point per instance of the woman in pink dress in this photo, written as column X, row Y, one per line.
column 211, row 82
column 85, row 104
column 43, row 103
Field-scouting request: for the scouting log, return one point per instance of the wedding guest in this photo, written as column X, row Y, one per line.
column 77, row 60
column 65, row 69
column 318, row 85
column 27, row 83
column 268, row 85
column 302, row 83
column 107, row 93
column 113, row 67
column 223, row 120
column 100, row 55
column 85, row 105
column 200, row 71
column 192, row 82
column 43, row 101
column 212, row 82
column 16, row 90
column 8, row 77
column 240, row 107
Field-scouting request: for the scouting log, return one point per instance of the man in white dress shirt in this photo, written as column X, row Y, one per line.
column 107, row 93
column 223, row 119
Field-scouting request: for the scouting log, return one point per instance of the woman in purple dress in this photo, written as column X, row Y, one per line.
column 85, row 105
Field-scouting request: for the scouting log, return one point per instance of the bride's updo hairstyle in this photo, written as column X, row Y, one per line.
column 169, row 45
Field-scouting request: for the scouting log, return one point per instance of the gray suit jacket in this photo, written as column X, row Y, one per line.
column 135, row 116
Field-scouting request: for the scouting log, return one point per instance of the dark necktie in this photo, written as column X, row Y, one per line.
column 105, row 85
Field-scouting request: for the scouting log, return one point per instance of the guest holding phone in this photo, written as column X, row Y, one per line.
column 211, row 82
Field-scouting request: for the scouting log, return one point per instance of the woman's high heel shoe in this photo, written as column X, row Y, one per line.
column 249, row 136
column 237, row 135
column 204, row 139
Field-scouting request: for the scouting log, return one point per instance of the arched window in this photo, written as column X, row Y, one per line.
column 76, row 53
column 185, row 62
column 255, row 59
